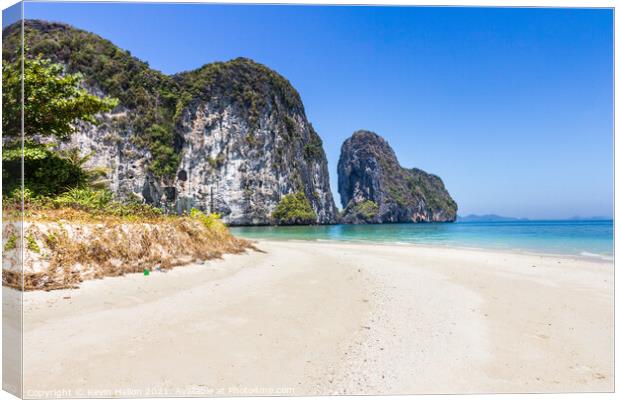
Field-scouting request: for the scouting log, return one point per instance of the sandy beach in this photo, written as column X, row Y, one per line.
column 329, row 318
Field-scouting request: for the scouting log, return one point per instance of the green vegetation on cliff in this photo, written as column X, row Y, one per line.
column 366, row 210
column 143, row 139
column 47, row 172
column 242, row 81
column 157, row 101
column 374, row 187
column 294, row 209
column 431, row 188
column 407, row 186
column 99, row 202
column 151, row 94
column 54, row 102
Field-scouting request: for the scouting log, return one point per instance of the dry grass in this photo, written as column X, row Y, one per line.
column 64, row 247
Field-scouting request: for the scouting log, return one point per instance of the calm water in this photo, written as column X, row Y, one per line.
column 585, row 238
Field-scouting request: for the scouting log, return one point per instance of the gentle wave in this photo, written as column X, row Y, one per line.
column 595, row 255
column 592, row 239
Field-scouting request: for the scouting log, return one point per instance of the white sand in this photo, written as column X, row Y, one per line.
column 323, row 318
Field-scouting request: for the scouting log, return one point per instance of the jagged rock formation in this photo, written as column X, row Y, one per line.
column 374, row 188
column 230, row 137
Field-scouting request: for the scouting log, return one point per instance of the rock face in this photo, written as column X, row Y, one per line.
column 374, row 188
column 231, row 137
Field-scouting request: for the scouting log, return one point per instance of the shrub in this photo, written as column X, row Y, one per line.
column 102, row 202
column 159, row 139
column 46, row 172
column 312, row 151
column 58, row 67
column 55, row 99
column 290, row 125
column 84, row 199
column 294, row 209
column 314, row 148
column 367, row 209
column 11, row 243
column 31, row 244
column 211, row 221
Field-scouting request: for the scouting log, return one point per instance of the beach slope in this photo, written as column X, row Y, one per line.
column 324, row 318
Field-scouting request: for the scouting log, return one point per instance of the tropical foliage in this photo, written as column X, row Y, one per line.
column 212, row 221
column 294, row 209
column 150, row 94
column 101, row 201
column 47, row 172
column 366, row 210
column 159, row 102
column 53, row 101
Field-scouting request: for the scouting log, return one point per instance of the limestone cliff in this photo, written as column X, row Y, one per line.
column 374, row 188
column 230, row 137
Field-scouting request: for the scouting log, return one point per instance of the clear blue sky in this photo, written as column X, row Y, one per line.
column 513, row 108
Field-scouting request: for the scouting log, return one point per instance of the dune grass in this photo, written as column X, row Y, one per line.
column 64, row 246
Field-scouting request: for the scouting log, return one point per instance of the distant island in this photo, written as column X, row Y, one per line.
column 500, row 218
column 594, row 218
column 487, row 218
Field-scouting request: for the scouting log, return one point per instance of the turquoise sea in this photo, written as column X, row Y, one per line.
column 582, row 238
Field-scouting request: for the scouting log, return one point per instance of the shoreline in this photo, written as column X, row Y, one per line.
column 347, row 319
column 577, row 257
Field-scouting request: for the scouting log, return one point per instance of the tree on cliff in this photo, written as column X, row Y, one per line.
column 294, row 209
column 54, row 102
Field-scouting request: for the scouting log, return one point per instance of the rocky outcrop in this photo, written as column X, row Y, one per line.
column 229, row 137
column 374, row 188
column 241, row 155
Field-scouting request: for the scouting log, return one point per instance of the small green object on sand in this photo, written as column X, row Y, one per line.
column 146, row 272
